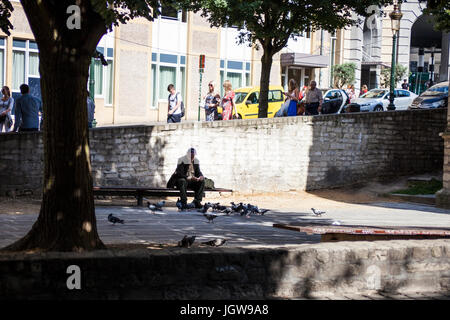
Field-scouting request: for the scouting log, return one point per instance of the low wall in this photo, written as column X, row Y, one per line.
column 294, row 153
column 232, row 273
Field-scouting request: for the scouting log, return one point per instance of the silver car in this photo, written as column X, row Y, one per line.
column 378, row 100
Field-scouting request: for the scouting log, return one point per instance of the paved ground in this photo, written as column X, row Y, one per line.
column 170, row 226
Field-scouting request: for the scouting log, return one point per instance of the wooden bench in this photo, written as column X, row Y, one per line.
column 140, row 192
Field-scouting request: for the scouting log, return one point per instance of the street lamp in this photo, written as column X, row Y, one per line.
column 396, row 15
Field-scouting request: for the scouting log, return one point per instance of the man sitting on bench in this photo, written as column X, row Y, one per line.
column 188, row 176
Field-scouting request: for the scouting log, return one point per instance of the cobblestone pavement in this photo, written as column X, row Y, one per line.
column 170, row 226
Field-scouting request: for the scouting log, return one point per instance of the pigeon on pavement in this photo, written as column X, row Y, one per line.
column 317, row 212
column 215, row 242
column 205, row 208
column 227, row 211
column 161, row 204
column 262, row 211
column 114, row 219
column 218, row 207
column 179, row 204
column 237, row 207
column 153, row 207
column 210, row 217
column 186, row 242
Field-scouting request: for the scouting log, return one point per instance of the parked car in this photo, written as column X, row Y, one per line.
column 247, row 102
column 434, row 97
column 378, row 100
column 334, row 101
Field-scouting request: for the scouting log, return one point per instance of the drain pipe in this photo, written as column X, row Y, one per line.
column 321, row 52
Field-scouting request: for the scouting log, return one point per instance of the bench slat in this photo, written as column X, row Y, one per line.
column 139, row 192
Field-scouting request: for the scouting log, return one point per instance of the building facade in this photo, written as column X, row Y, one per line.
column 145, row 57
column 421, row 49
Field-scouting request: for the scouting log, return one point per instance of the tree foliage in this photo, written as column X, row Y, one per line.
column 113, row 12
column 440, row 9
column 67, row 221
column 400, row 73
column 271, row 23
column 343, row 74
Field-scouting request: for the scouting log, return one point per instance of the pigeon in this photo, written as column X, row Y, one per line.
column 153, row 207
column 237, row 208
column 215, row 242
column 161, row 204
column 186, row 242
column 205, row 208
column 218, row 207
column 245, row 211
column 227, row 211
column 179, row 204
column 252, row 208
column 210, row 217
column 317, row 212
column 262, row 211
column 114, row 220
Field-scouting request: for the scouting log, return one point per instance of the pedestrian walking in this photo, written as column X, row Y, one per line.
column 313, row 100
column 227, row 101
column 90, row 109
column 6, row 105
column 212, row 101
column 26, row 109
column 175, row 101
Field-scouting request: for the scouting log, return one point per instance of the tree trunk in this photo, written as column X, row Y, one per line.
column 67, row 217
column 66, row 220
column 266, row 66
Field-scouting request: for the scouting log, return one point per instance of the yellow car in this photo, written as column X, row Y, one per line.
column 247, row 102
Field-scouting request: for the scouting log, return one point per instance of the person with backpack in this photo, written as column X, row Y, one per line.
column 175, row 105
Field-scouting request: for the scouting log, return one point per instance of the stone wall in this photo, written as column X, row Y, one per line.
column 315, row 270
column 295, row 153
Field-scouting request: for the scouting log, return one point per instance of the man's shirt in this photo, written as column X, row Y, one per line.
column 26, row 110
column 313, row 96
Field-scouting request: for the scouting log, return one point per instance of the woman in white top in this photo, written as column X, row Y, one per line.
column 6, row 105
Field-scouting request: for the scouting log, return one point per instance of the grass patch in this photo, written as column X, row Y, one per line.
column 422, row 187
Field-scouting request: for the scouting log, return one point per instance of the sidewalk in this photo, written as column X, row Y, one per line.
column 169, row 226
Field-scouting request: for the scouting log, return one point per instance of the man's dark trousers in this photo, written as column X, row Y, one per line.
column 312, row 109
column 174, row 118
column 198, row 186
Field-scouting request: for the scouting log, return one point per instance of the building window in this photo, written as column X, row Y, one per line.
column 25, row 62
column 104, row 76
column 170, row 13
column 237, row 72
column 167, row 69
column 2, row 61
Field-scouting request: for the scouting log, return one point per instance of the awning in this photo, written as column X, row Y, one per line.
column 304, row 60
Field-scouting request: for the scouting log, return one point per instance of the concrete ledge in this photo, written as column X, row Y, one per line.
column 443, row 198
column 233, row 273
